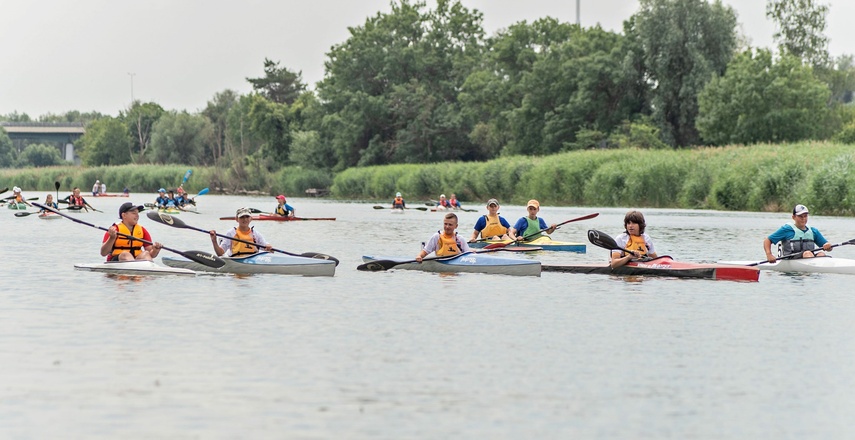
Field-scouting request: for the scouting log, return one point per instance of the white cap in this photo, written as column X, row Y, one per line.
column 16, row 189
column 442, row 196
column 800, row 209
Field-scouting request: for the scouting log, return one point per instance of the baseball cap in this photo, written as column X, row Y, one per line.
column 492, row 202
column 162, row 190
column 397, row 194
column 800, row 209
column 242, row 212
column 280, row 197
column 442, row 196
column 127, row 206
column 16, row 189
column 534, row 203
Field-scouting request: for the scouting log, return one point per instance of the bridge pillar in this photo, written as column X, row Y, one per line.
column 69, row 152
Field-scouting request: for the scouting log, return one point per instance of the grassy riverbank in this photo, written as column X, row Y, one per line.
column 756, row 178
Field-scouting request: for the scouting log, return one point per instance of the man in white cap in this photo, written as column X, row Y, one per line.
column 96, row 188
column 443, row 204
column 233, row 248
column 491, row 225
column 398, row 201
column 122, row 248
column 796, row 238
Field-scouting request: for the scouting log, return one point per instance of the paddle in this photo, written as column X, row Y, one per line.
column 26, row 213
column 527, row 236
column 175, row 222
column 186, row 176
column 798, row 254
column 379, row 265
column 57, row 185
column 200, row 257
column 4, row 190
column 420, row 208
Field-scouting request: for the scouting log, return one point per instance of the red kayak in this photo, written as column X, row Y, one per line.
column 279, row 218
column 664, row 266
column 112, row 195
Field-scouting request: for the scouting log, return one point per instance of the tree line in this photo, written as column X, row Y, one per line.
column 419, row 85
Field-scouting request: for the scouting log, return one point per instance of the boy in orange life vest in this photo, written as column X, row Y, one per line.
column 75, row 199
column 446, row 242
column 633, row 239
column 121, row 248
column 242, row 232
column 491, row 225
column 398, row 202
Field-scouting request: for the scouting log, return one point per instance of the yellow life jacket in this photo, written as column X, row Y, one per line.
column 447, row 245
column 125, row 244
column 636, row 243
column 239, row 248
column 494, row 227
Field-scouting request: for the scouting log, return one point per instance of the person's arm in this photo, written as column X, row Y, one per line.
column 464, row 247
column 217, row 249
column 109, row 241
column 651, row 250
column 549, row 229
column 153, row 249
column 767, row 250
column 261, row 242
column 480, row 224
column 518, row 227
column 820, row 240
column 293, row 211
column 429, row 247
column 619, row 258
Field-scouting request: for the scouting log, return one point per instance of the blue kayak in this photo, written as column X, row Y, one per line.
column 544, row 242
column 470, row 263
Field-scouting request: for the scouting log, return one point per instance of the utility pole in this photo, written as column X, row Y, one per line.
column 132, row 80
column 578, row 20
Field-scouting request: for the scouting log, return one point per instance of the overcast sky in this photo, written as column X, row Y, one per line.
column 88, row 55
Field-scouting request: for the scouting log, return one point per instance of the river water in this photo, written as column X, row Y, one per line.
column 406, row 354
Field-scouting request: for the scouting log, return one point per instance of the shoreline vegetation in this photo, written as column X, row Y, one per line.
column 735, row 178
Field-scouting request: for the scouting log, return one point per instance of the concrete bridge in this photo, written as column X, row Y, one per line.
column 62, row 135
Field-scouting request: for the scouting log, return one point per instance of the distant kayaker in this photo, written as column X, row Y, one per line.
column 161, row 199
column 633, row 239
column 96, row 188
column 446, row 242
column 453, row 202
column 49, row 203
column 528, row 227
column 75, row 199
column 232, row 248
column 795, row 238
column 398, row 202
column 443, row 204
column 491, row 225
column 283, row 209
column 121, row 248
column 18, row 197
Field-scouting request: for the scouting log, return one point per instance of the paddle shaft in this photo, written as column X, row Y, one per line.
column 798, row 254
column 376, row 266
column 178, row 223
column 199, row 257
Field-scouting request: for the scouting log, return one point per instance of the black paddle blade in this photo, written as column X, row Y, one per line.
column 56, row 185
column 377, row 266
column 22, row 214
column 601, row 239
column 166, row 219
column 205, row 258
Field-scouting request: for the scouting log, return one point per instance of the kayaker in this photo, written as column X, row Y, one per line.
column 443, row 204
column 49, row 203
column 96, row 188
column 19, row 197
column 398, row 202
column 75, row 199
column 446, row 242
column 529, row 227
column 795, row 238
column 634, row 239
column 492, row 225
column 243, row 232
column 120, row 248
column 161, row 199
column 170, row 199
column 283, row 209
column 453, row 202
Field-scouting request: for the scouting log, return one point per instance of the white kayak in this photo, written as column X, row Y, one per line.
column 136, row 267
column 825, row 264
column 470, row 262
column 262, row 262
column 396, row 211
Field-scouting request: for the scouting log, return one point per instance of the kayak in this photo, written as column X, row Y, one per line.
column 136, row 267
column 826, row 264
column 170, row 211
column 279, row 218
column 544, row 242
column 397, row 211
column 664, row 266
column 112, row 195
column 470, row 262
column 47, row 215
column 17, row 206
column 262, row 262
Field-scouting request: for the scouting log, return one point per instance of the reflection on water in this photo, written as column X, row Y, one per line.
column 405, row 354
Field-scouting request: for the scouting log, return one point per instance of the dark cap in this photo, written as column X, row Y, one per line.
column 127, row 206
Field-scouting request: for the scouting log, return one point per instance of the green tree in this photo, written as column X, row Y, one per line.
column 310, row 151
column 800, row 29
column 391, row 90
column 279, row 84
column 760, row 99
column 7, row 150
column 271, row 122
column 180, row 138
column 39, row 155
column 105, row 143
column 140, row 119
column 217, row 111
column 679, row 45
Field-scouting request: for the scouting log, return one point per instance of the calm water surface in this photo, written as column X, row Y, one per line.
column 405, row 354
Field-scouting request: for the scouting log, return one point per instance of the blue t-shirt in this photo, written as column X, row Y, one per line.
column 522, row 224
column 788, row 231
column 482, row 223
